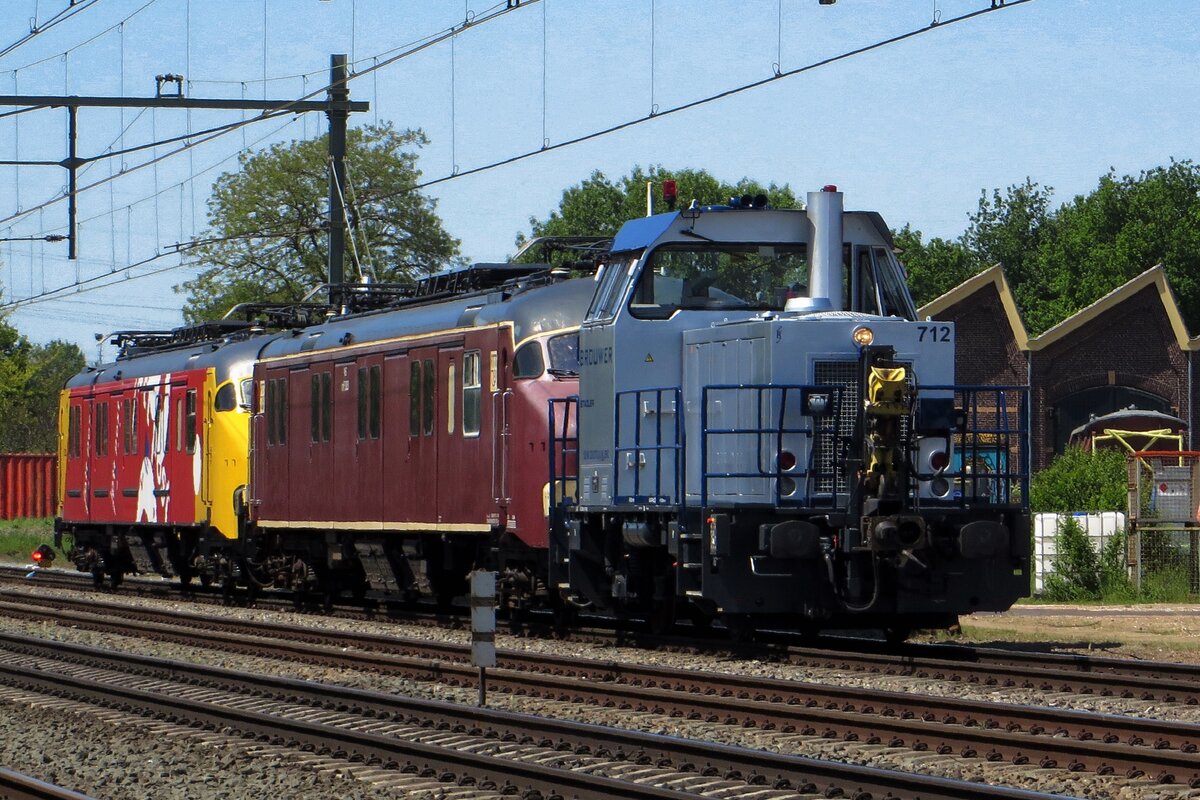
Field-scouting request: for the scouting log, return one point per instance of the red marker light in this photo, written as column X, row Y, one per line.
column 37, row 555
column 829, row 187
column 670, row 192
column 939, row 460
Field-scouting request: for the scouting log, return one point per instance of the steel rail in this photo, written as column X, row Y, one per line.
column 757, row 768
column 987, row 666
column 18, row 786
column 971, row 729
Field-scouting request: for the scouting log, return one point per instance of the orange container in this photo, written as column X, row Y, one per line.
column 27, row 485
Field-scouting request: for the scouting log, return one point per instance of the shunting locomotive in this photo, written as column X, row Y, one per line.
column 766, row 432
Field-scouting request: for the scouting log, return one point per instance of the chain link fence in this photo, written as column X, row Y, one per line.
column 1163, row 550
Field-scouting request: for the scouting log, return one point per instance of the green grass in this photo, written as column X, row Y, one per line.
column 19, row 537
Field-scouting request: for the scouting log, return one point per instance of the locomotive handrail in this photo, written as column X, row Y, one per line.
column 676, row 448
column 773, row 429
column 978, row 436
column 562, row 447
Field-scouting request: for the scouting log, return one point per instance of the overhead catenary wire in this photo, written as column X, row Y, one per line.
column 494, row 13
column 59, row 18
column 657, row 114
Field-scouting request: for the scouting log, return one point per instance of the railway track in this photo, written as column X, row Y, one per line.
column 18, row 786
column 1047, row 672
column 424, row 745
column 1047, row 738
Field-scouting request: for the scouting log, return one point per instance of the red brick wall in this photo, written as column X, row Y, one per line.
column 1133, row 340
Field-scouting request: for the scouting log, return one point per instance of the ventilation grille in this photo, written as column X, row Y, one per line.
column 828, row 464
column 829, row 459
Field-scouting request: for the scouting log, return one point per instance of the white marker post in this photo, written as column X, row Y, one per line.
column 483, row 626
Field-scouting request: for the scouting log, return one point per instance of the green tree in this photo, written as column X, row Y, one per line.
column 934, row 267
column 600, row 206
column 31, row 378
column 1124, row 227
column 266, row 221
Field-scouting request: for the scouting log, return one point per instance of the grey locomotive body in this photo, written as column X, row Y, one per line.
column 765, row 431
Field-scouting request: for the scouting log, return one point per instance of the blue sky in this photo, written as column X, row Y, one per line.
column 1056, row 90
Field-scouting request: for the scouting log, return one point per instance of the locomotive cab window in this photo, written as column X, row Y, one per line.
column 528, row 362
column 720, row 276
column 610, row 285
column 226, row 398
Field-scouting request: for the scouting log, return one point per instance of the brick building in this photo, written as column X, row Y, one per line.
column 1128, row 349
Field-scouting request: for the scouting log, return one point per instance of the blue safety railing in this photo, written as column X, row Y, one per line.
column 990, row 442
column 772, row 403
column 564, row 455
column 667, row 446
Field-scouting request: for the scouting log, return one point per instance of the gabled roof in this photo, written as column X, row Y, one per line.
column 1152, row 277
column 992, row 276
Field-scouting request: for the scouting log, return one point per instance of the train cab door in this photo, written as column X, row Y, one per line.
column 300, row 411
column 421, row 478
column 368, row 437
column 77, row 502
column 499, row 422
column 460, row 470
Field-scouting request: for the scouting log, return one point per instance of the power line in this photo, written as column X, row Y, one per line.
column 85, row 42
column 284, row 108
column 656, row 114
column 55, row 20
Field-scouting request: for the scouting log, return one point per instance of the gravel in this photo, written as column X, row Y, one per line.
column 137, row 762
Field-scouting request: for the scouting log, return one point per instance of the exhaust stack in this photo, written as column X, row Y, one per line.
column 825, row 248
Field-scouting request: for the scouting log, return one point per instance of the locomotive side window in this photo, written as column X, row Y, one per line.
column 362, row 403
column 472, row 391
column 719, row 276
column 160, row 431
column 427, row 398
column 322, row 407
column 189, row 421
column 414, row 399
column 129, row 411
column 450, row 385
column 271, row 410
column 374, row 400
column 368, row 402
column 101, row 413
column 281, row 410
column 867, row 290
column 73, row 433
column 610, row 285
column 893, row 290
column 528, row 362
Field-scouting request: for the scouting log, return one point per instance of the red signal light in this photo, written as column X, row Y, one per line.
column 37, row 555
column 829, row 187
column 787, row 461
column 939, row 460
column 670, row 193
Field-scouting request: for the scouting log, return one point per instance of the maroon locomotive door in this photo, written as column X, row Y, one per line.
column 368, row 437
column 459, row 474
column 300, row 501
column 409, row 458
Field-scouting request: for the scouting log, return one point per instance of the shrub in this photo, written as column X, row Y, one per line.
column 1076, row 573
column 1079, row 481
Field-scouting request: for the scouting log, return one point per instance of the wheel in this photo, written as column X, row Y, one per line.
column 741, row 627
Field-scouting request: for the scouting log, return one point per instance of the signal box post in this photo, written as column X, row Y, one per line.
column 483, row 626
